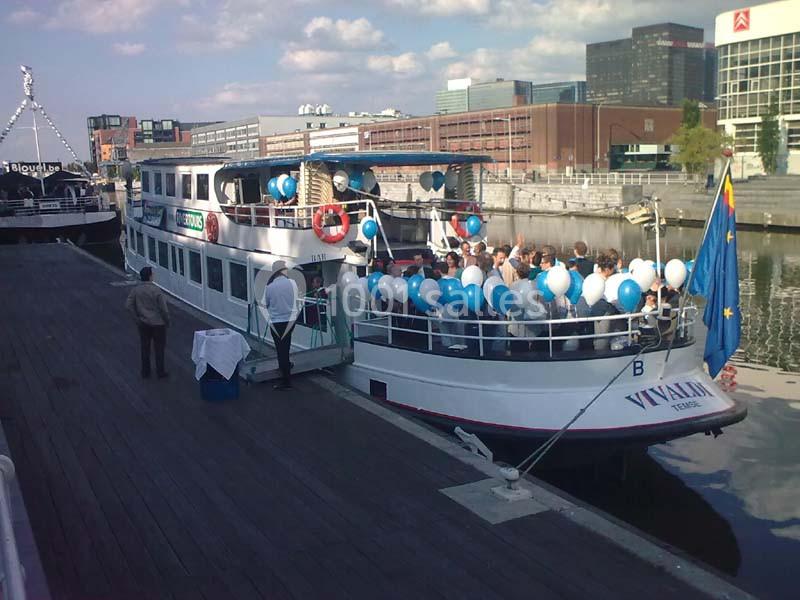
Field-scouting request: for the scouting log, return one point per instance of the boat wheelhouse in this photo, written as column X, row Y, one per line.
column 212, row 234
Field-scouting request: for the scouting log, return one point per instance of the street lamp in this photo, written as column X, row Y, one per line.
column 508, row 120
column 597, row 146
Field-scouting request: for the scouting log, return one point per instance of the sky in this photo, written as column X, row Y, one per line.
column 198, row 60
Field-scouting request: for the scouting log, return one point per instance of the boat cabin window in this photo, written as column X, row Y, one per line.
column 195, row 267
column 131, row 239
column 238, row 273
column 146, row 181
column 163, row 254
column 180, row 262
column 214, row 271
column 139, row 243
column 202, row 186
column 171, row 185
column 174, row 258
column 151, row 249
column 186, row 186
column 157, row 184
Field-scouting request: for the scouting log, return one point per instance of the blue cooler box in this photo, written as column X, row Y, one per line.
column 215, row 388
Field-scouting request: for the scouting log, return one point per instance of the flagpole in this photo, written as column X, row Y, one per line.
column 687, row 284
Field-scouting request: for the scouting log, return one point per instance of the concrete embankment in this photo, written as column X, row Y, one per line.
column 772, row 203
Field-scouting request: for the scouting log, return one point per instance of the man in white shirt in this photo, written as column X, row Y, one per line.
column 280, row 301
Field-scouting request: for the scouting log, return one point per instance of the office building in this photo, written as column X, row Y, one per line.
column 559, row 91
column 500, row 93
column 105, row 122
column 658, row 65
column 759, row 58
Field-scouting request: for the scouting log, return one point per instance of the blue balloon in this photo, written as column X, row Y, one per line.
column 372, row 280
column 413, row 285
column 272, row 188
column 289, row 187
column 474, row 295
column 370, row 228
column 502, row 300
column 452, row 291
column 575, row 287
column 474, row 225
column 541, row 285
column 438, row 180
column 356, row 180
column 629, row 295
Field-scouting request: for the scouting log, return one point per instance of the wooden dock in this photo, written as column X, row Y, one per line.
column 139, row 489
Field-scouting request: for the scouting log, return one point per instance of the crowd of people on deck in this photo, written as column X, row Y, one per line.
column 518, row 261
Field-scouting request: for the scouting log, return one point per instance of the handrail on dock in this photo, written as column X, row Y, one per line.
column 12, row 573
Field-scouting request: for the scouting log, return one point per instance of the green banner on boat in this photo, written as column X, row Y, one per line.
column 189, row 219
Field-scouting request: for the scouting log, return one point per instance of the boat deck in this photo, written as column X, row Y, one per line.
column 139, row 489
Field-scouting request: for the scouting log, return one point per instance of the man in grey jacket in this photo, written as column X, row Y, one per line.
column 148, row 305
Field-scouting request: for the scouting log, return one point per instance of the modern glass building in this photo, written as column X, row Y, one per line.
column 559, row 91
column 452, row 101
column 759, row 58
column 499, row 94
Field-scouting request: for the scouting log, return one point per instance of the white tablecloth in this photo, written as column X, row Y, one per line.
column 220, row 348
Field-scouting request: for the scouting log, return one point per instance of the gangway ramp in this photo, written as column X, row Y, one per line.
column 265, row 367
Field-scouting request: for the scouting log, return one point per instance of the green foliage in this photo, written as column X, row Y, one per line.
column 698, row 148
column 769, row 137
column 691, row 113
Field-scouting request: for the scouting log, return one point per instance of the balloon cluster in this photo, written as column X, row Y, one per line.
column 282, row 188
column 354, row 180
column 436, row 179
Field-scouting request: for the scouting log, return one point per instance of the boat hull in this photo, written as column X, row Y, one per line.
column 81, row 228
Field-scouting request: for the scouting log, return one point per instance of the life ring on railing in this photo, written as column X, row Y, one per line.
column 318, row 223
column 212, row 228
column 462, row 208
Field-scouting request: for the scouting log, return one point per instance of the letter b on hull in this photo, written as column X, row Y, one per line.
column 638, row 368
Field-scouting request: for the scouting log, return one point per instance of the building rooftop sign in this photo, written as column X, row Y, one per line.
column 756, row 22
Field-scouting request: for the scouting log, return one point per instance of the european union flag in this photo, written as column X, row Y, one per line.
column 716, row 276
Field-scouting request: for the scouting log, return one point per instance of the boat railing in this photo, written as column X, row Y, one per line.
column 291, row 216
column 52, row 206
column 554, row 338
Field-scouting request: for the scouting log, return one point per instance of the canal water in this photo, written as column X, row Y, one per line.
column 732, row 502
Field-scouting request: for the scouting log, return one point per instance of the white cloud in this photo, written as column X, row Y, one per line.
column 235, row 23
column 237, row 94
column 312, row 59
column 403, row 65
column 443, row 7
column 23, row 16
column 441, row 51
column 128, row 48
column 356, row 34
column 101, row 16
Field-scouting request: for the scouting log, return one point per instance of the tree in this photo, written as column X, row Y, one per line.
column 698, row 148
column 769, row 137
column 691, row 113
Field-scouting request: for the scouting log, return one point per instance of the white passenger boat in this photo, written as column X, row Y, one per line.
column 207, row 229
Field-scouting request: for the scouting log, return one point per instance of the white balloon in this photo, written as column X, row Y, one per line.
column 368, row 181
column 471, row 274
column 652, row 263
column 400, row 289
column 488, row 287
column 426, row 181
column 675, row 272
column 451, row 179
column 429, row 291
column 644, row 275
column 612, row 286
column 341, row 180
column 593, row 288
column 634, row 264
column 281, row 178
column 558, row 281
column 347, row 279
column 385, row 287
column 527, row 292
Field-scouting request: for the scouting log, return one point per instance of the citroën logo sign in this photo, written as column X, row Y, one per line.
column 741, row 20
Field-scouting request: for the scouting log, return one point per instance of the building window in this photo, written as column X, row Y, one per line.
column 157, row 183
column 649, row 125
column 171, row 185
column 186, row 186
column 195, row 268
column 202, row 186
column 163, row 254
column 238, row 274
column 151, row 249
column 793, row 137
column 214, row 273
column 146, row 181
column 139, row 243
column 322, row 125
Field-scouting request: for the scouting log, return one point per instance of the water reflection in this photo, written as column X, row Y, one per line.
column 769, row 269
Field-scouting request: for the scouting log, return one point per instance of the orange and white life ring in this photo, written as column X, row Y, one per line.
column 212, row 228
column 462, row 208
column 318, row 223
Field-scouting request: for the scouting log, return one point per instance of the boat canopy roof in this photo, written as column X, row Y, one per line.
column 365, row 159
column 184, row 161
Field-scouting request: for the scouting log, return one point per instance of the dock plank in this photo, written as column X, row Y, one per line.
column 140, row 489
